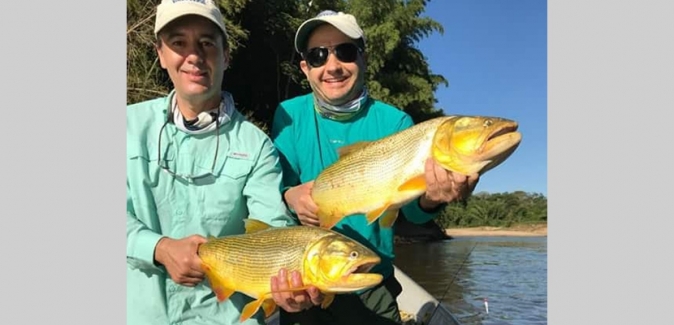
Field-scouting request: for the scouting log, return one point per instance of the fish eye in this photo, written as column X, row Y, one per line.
column 488, row 123
column 354, row 254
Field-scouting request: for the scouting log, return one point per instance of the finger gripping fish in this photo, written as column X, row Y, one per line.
column 245, row 263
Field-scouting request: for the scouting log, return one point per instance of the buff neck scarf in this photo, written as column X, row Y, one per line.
column 204, row 122
column 341, row 112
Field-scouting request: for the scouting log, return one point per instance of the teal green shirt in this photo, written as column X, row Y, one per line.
column 246, row 181
column 308, row 143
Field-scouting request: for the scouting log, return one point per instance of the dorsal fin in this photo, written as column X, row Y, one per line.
column 345, row 150
column 254, row 225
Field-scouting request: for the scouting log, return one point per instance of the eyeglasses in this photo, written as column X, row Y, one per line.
column 345, row 52
column 189, row 178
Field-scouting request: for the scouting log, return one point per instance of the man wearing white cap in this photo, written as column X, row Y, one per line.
column 195, row 168
column 309, row 129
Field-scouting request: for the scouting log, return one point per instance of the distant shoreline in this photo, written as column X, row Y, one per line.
column 539, row 230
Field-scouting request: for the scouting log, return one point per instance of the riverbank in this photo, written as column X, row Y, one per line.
column 537, row 230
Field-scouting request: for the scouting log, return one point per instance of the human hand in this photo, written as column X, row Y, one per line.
column 444, row 186
column 299, row 200
column 293, row 301
column 180, row 258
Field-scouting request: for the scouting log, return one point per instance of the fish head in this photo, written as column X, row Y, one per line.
column 336, row 263
column 474, row 144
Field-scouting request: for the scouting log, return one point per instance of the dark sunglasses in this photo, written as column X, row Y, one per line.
column 345, row 52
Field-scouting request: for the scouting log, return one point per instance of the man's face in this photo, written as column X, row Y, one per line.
column 335, row 82
column 192, row 52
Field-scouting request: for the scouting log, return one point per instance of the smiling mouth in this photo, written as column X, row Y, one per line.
column 195, row 73
column 334, row 80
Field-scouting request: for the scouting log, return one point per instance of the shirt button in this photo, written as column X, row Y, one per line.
column 179, row 212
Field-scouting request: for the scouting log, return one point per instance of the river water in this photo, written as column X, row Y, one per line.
column 509, row 272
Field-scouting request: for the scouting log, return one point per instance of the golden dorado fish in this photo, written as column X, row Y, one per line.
column 377, row 178
column 245, row 263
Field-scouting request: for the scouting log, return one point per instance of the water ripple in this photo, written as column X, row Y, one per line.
column 510, row 272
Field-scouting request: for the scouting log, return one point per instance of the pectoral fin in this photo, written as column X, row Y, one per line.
column 327, row 221
column 254, row 225
column 415, row 184
column 327, row 300
column 376, row 213
column 388, row 218
column 251, row 308
column 222, row 292
column 268, row 306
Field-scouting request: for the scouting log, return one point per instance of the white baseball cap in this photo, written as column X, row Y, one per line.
column 169, row 10
column 346, row 23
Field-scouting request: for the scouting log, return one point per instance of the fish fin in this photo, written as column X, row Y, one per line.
column 388, row 218
column 376, row 213
column 222, row 293
column 251, row 308
column 327, row 221
column 415, row 184
column 345, row 150
column 327, row 300
column 268, row 306
column 254, row 225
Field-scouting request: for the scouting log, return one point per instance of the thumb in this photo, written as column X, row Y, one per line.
column 198, row 239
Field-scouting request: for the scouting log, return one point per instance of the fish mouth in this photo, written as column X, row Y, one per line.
column 504, row 130
column 499, row 145
column 501, row 140
column 363, row 267
column 358, row 278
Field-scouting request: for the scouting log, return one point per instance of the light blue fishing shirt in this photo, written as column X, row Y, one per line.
column 246, row 181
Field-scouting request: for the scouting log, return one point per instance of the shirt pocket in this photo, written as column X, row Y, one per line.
column 237, row 166
column 225, row 205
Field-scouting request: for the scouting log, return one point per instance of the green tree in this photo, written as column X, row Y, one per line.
column 496, row 209
column 264, row 69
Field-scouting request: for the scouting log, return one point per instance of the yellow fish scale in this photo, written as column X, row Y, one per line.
column 366, row 179
column 249, row 262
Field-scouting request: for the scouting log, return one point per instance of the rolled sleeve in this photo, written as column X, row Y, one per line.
column 415, row 214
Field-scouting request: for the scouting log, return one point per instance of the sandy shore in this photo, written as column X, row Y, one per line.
column 523, row 230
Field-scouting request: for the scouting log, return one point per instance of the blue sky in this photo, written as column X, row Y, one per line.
column 494, row 55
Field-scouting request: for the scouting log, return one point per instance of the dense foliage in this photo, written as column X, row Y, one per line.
column 496, row 209
column 265, row 67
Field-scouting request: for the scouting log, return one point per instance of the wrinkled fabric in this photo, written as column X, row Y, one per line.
column 246, row 181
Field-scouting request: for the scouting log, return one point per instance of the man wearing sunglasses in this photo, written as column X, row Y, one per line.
column 195, row 168
column 308, row 130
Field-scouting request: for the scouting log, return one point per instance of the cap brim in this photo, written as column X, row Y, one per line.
column 186, row 8
column 302, row 35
